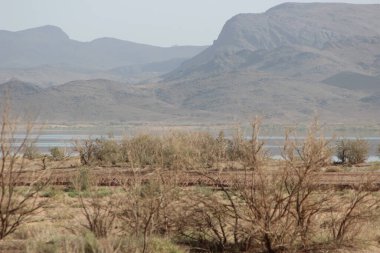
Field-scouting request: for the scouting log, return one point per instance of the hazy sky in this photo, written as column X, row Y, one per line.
column 156, row 22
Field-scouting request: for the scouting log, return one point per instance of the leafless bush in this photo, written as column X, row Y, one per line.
column 143, row 150
column 146, row 211
column 31, row 152
column 350, row 211
column 99, row 151
column 249, row 152
column 352, row 151
column 186, row 150
column 262, row 209
column 57, row 154
column 272, row 210
column 100, row 213
column 235, row 149
column 107, row 151
column 206, row 221
column 303, row 161
column 87, row 150
column 17, row 203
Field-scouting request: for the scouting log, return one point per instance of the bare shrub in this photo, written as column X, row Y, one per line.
column 107, row 151
column 143, row 150
column 352, row 151
column 31, row 152
column 17, row 203
column 267, row 210
column 87, row 150
column 99, row 151
column 186, row 150
column 100, row 213
column 146, row 210
column 221, row 147
column 57, row 154
column 303, row 161
column 236, row 148
column 209, row 220
column 249, row 152
column 350, row 211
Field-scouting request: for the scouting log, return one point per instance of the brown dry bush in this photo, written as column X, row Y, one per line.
column 352, row 151
column 87, row 150
column 100, row 213
column 186, row 150
column 206, row 220
column 145, row 212
column 351, row 211
column 143, row 150
column 265, row 209
column 303, row 161
column 108, row 151
column 279, row 210
column 173, row 150
column 248, row 152
column 99, row 151
column 17, row 203
column 57, row 153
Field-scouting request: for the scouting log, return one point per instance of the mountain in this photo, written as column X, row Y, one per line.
column 49, row 45
column 293, row 61
column 288, row 64
column 47, row 56
column 316, row 40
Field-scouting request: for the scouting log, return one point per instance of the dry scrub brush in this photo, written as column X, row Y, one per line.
column 278, row 211
column 18, row 201
column 352, row 151
column 147, row 210
column 261, row 209
column 173, row 150
column 140, row 208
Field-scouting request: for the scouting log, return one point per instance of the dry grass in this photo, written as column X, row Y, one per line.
column 170, row 193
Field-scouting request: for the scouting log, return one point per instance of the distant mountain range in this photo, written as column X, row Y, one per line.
column 286, row 64
column 46, row 55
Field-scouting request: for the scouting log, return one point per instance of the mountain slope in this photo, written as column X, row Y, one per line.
column 287, row 64
column 93, row 101
column 324, row 39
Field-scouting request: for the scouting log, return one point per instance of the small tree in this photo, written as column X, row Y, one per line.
column 352, row 151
